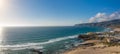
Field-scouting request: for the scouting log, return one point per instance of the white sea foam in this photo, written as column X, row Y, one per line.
column 33, row 45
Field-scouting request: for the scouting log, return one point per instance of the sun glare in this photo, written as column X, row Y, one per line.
column 2, row 3
column 1, row 36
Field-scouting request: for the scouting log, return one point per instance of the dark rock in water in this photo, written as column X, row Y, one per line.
column 87, row 37
column 37, row 51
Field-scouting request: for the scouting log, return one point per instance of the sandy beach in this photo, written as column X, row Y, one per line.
column 116, row 29
column 98, row 48
column 95, row 50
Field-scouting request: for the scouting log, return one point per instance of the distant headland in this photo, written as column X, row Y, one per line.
column 111, row 23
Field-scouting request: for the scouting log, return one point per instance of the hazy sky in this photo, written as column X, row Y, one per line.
column 53, row 12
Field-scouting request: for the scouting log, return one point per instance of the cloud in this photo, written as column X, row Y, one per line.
column 100, row 17
column 115, row 15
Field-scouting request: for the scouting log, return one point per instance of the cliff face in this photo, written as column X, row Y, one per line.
column 101, row 24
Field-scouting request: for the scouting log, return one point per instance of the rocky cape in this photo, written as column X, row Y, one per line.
column 115, row 22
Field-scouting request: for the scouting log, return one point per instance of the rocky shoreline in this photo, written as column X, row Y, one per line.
column 98, row 43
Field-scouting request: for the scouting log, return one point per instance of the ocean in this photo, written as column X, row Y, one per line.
column 50, row 40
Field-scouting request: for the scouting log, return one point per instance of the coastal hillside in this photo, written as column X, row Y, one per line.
column 115, row 22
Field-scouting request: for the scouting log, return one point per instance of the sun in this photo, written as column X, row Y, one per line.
column 4, row 4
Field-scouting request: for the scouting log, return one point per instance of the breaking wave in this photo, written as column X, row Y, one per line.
column 33, row 45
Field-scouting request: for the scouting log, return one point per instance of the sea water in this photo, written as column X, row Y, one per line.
column 50, row 40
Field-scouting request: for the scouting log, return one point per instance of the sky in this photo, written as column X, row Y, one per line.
column 57, row 12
